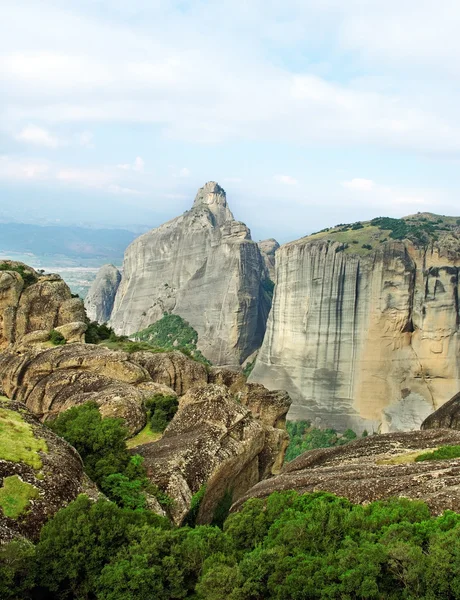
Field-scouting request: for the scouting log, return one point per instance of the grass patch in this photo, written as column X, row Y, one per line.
column 17, row 440
column 442, row 453
column 402, row 459
column 15, row 496
column 145, row 436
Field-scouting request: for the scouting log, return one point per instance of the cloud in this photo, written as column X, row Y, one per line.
column 16, row 169
column 118, row 189
column 138, row 165
column 85, row 139
column 285, row 179
column 38, row 137
column 362, row 185
column 184, row 172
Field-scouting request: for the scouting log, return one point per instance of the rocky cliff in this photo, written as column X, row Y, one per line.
column 364, row 327
column 101, row 295
column 32, row 304
column 204, row 267
column 268, row 249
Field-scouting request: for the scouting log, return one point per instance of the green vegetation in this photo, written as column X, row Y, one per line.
column 96, row 333
column 17, row 440
column 15, row 496
column 56, row 338
column 268, row 288
column 102, row 447
column 197, row 498
column 443, row 453
column 28, row 277
column 361, row 237
column 161, row 410
column 304, row 437
column 289, row 546
column 249, row 367
column 145, row 436
column 172, row 332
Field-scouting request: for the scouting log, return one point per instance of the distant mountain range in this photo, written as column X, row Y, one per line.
column 72, row 242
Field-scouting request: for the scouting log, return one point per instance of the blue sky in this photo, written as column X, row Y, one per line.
column 308, row 113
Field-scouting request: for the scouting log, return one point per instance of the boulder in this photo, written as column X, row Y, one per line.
column 39, row 473
column 446, row 417
column 101, row 295
column 374, row 468
column 213, row 440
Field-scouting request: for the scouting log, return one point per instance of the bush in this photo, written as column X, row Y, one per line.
column 367, row 246
column 443, row 453
column 161, row 410
column 304, row 437
column 56, row 338
column 28, row 277
column 96, row 333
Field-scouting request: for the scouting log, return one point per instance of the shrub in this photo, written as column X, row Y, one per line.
column 28, row 277
column 161, row 410
column 367, row 246
column 56, row 338
column 443, row 453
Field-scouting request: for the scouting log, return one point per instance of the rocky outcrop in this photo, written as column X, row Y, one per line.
column 204, row 267
column 268, row 249
column 101, row 295
column 39, row 473
column 446, row 417
column 51, row 381
column 31, row 302
column 364, row 335
column 375, row 468
column 215, row 441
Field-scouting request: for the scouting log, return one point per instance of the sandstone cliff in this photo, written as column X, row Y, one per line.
column 204, row 267
column 31, row 303
column 101, row 295
column 364, row 327
column 39, row 473
column 268, row 249
column 375, row 468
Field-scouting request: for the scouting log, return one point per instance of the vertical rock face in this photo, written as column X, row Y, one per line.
column 101, row 295
column 204, row 267
column 268, row 249
column 367, row 340
column 31, row 302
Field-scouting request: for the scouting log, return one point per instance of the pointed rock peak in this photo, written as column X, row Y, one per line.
column 212, row 196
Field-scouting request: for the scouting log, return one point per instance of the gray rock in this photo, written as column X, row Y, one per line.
column 204, row 267
column 367, row 341
column 268, row 249
column 101, row 295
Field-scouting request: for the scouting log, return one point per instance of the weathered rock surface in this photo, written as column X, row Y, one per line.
column 26, row 308
column 374, row 468
column 367, row 340
column 172, row 369
column 51, row 381
column 101, row 295
column 50, row 477
column 204, row 267
column 446, row 417
column 268, row 249
column 212, row 440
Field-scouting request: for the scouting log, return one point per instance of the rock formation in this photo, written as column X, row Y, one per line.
column 268, row 249
column 364, row 329
column 446, row 417
column 214, row 441
column 204, row 267
column 101, row 295
column 375, row 468
column 39, row 473
column 31, row 303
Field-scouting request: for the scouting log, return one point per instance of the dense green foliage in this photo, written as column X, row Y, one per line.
column 99, row 332
column 28, row 277
column 249, row 367
column 172, row 332
column 290, row 546
column 56, row 338
column 445, row 452
column 161, row 409
column 102, row 447
column 304, row 437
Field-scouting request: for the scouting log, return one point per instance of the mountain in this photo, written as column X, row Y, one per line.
column 204, row 267
column 364, row 328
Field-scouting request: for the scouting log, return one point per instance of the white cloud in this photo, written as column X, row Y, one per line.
column 285, row 179
column 362, row 185
column 138, row 165
column 85, row 138
column 118, row 189
column 184, row 172
column 38, row 137
column 16, row 169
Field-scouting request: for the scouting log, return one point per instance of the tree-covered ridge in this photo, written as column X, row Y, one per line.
column 304, row 437
column 362, row 237
column 289, row 546
column 172, row 332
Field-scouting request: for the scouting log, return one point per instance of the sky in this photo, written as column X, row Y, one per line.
column 308, row 112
